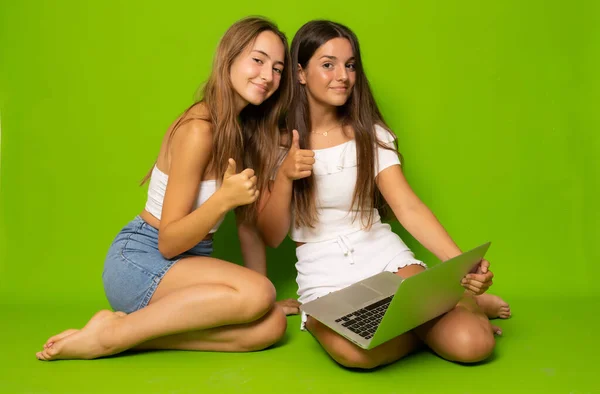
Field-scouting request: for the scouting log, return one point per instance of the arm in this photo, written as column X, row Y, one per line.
column 414, row 215
column 252, row 246
column 274, row 215
column 181, row 227
column 421, row 223
column 253, row 252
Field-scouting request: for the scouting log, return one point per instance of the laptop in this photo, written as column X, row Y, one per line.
column 377, row 309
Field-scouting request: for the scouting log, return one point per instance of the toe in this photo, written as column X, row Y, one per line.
column 58, row 337
column 51, row 353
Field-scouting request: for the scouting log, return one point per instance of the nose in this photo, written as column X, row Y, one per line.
column 342, row 74
column 266, row 73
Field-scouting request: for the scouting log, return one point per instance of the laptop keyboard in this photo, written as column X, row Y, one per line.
column 365, row 321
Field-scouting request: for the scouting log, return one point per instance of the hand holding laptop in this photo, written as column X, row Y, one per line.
column 479, row 280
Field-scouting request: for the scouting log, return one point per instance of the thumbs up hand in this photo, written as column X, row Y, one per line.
column 298, row 162
column 238, row 188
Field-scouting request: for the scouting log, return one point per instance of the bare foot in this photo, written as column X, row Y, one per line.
column 68, row 332
column 84, row 343
column 493, row 306
column 290, row 306
column 497, row 330
column 57, row 337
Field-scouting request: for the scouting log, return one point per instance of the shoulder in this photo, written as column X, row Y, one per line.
column 384, row 135
column 199, row 110
column 192, row 130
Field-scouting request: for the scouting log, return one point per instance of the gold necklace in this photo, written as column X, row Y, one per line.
column 327, row 131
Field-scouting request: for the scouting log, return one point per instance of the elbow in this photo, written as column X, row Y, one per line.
column 404, row 211
column 274, row 240
column 271, row 240
column 165, row 249
column 272, row 243
column 272, row 235
column 166, row 253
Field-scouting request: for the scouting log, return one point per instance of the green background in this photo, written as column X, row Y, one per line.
column 496, row 110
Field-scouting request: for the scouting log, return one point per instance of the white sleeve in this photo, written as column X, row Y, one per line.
column 385, row 157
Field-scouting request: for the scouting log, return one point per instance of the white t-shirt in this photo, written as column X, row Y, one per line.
column 335, row 172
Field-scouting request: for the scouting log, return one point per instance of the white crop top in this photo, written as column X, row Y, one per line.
column 335, row 172
column 158, row 186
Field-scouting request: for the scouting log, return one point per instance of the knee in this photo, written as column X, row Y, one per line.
column 354, row 358
column 257, row 298
column 341, row 350
column 269, row 330
column 473, row 344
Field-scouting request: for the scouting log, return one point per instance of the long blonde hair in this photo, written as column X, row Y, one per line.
column 252, row 138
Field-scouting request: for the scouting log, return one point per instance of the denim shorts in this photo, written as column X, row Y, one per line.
column 134, row 267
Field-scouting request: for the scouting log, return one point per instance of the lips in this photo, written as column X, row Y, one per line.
column 260, row 87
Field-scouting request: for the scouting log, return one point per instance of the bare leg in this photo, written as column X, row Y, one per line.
column 463, row 335
column 253, row 336
column 349, row 355
column 196, row 294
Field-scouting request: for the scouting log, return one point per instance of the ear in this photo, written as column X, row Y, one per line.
column 301, row 75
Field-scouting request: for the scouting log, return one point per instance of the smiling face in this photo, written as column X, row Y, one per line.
column 256, row 73
column 330, row 74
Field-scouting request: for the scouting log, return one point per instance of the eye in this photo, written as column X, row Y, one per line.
column 277, row 70
column 257, row 60
column 351, row 66
column 328, row 66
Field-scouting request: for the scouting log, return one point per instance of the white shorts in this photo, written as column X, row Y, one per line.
column 328, row 266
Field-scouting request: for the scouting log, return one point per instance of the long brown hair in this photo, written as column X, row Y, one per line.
column 360, row 112
column 252, row 138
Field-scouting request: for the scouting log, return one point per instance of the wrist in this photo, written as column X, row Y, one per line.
column 283, row 179
column 223, row 202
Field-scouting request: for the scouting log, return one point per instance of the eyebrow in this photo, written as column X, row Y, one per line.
column 335, row 58
column 267, row 56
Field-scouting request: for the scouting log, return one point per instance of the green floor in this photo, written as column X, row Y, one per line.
column 548, row 346
column 495, row 104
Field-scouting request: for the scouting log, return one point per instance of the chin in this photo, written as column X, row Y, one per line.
column 256, row 99
column 253, row 100
column 337, row 102
column 257, row 102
